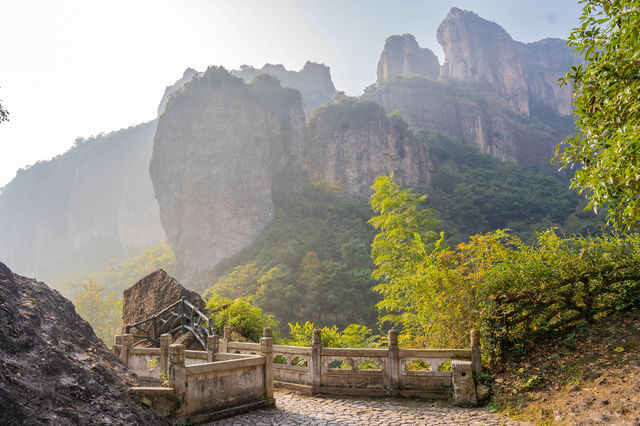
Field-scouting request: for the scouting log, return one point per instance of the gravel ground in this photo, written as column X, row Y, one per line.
column 295, row 409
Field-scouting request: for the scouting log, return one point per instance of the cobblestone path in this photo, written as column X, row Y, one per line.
column 295, row 409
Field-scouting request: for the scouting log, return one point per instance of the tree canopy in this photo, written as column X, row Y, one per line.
column 606, row 148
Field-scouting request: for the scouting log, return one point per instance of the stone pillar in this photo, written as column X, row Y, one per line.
column 177, row 376
column 464, row 388
column 316, row 359
column 127, row 343
column 117, row 343
column 266, row 350
column 476, row 356
column 393, row 362
column 213, row 347
column 165, row 341
column 226, row 338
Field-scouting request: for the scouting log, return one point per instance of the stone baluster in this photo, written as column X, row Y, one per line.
column 177, row 376
column 213, row 347
column 266, row 350
column 316, row 359
column 226, row 338
column 127, row 344
column 393, row 361
column 165, row 341
column 476, row 356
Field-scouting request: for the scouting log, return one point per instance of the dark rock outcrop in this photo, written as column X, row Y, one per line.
column 313, row 81
column 352, row 142
column 222, row 149
column 402, row 55
column 482, row 51
column 88, row 205
column 152, row 294
column 53, row 368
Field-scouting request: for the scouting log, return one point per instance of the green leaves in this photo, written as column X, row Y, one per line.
column 607, row 109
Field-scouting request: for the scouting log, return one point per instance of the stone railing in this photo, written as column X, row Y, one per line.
column 202, row 385
column 424, row 373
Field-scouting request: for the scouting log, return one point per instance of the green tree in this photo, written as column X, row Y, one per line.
column 104, row 314
column 246, row 320
column 606, row 89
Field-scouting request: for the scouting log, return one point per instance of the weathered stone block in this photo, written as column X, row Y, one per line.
column 464, row 388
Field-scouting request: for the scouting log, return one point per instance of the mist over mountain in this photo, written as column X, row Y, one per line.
column 313, row 81
column 211, row 172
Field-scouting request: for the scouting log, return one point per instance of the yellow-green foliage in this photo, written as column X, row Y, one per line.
column 353, row 336
column 246, row 320
column 514, row 292
column 116, row 276
column 104, row 314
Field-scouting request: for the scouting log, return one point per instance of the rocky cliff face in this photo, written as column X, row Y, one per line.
column 543, row 63
column 222, row 149
column 87, row 205
column 492, row 91
column 403, row 55
column 53, row 368
column 472, row 113
column 482, row 51
column 313, row 81
column 352, row 142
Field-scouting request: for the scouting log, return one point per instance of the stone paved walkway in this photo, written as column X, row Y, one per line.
column 295, row 409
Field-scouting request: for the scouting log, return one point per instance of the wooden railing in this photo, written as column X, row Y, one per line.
column 181, row 316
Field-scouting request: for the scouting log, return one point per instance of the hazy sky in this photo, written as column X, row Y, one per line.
column 71, row 68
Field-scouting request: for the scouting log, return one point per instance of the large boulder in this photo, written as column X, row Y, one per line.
column 152, row 294
column 53, row 368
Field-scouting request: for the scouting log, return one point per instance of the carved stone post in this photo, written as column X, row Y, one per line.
column 316, row 359
column 226, row 337
column 393, row 362
column 213, row 346
column 464, row 388
column 117, row 343
column 177, row 376
column 476, row 356
column 165, row 341
column 266, row 350
column 127, row 343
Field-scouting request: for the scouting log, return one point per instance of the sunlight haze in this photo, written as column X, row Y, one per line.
column 74, row 68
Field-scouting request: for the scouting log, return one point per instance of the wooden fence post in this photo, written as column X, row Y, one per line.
column 266, row 350
column 316, row 359
column 392, row 360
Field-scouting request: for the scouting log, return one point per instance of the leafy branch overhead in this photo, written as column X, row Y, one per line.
column 606, row 149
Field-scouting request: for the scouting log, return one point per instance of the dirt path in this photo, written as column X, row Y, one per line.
column 295, row 409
